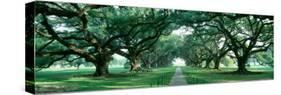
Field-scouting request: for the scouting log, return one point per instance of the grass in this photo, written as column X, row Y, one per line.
column 79, row 80
column 195, row 75
column 69, row 80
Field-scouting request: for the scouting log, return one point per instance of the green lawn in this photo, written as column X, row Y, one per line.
column 80, row 80
column 199, row 76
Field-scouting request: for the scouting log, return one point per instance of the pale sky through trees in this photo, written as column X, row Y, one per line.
column 178, row 62
column 183, row 31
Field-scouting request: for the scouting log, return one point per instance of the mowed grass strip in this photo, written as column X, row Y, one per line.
column 82, row 79
column 194, row 75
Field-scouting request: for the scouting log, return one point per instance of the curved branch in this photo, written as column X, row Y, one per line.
column 43, row 47
column 68, row 45
column 53, row 61
column 44, row 9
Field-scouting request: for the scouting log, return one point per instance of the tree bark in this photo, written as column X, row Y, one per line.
column 101, row 69
column 101, row 65
column 242, row 65
column 217, row 63
column 135, row 65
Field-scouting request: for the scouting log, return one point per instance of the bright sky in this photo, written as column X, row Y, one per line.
column 182, row 31
column 178, row 62
column 118, row 57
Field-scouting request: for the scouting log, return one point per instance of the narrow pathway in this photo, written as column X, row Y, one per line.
column 178, row 78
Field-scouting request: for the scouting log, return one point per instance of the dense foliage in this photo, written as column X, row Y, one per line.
column 75, row 34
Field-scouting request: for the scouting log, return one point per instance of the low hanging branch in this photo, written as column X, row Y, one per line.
column 44, row 46
column 53, row 61
column 72, row 47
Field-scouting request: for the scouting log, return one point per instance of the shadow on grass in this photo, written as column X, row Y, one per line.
column 106, row 76
column 225, row 75
column 245, row 73
column 65, row 82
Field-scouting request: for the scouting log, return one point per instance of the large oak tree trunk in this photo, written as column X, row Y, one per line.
column 101, row 65
column 101, row 69
column 242, row 64
column 217, row 63
column 135, row 65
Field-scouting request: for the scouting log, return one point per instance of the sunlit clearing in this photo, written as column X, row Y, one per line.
column 178, row 62
column 118, row 61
